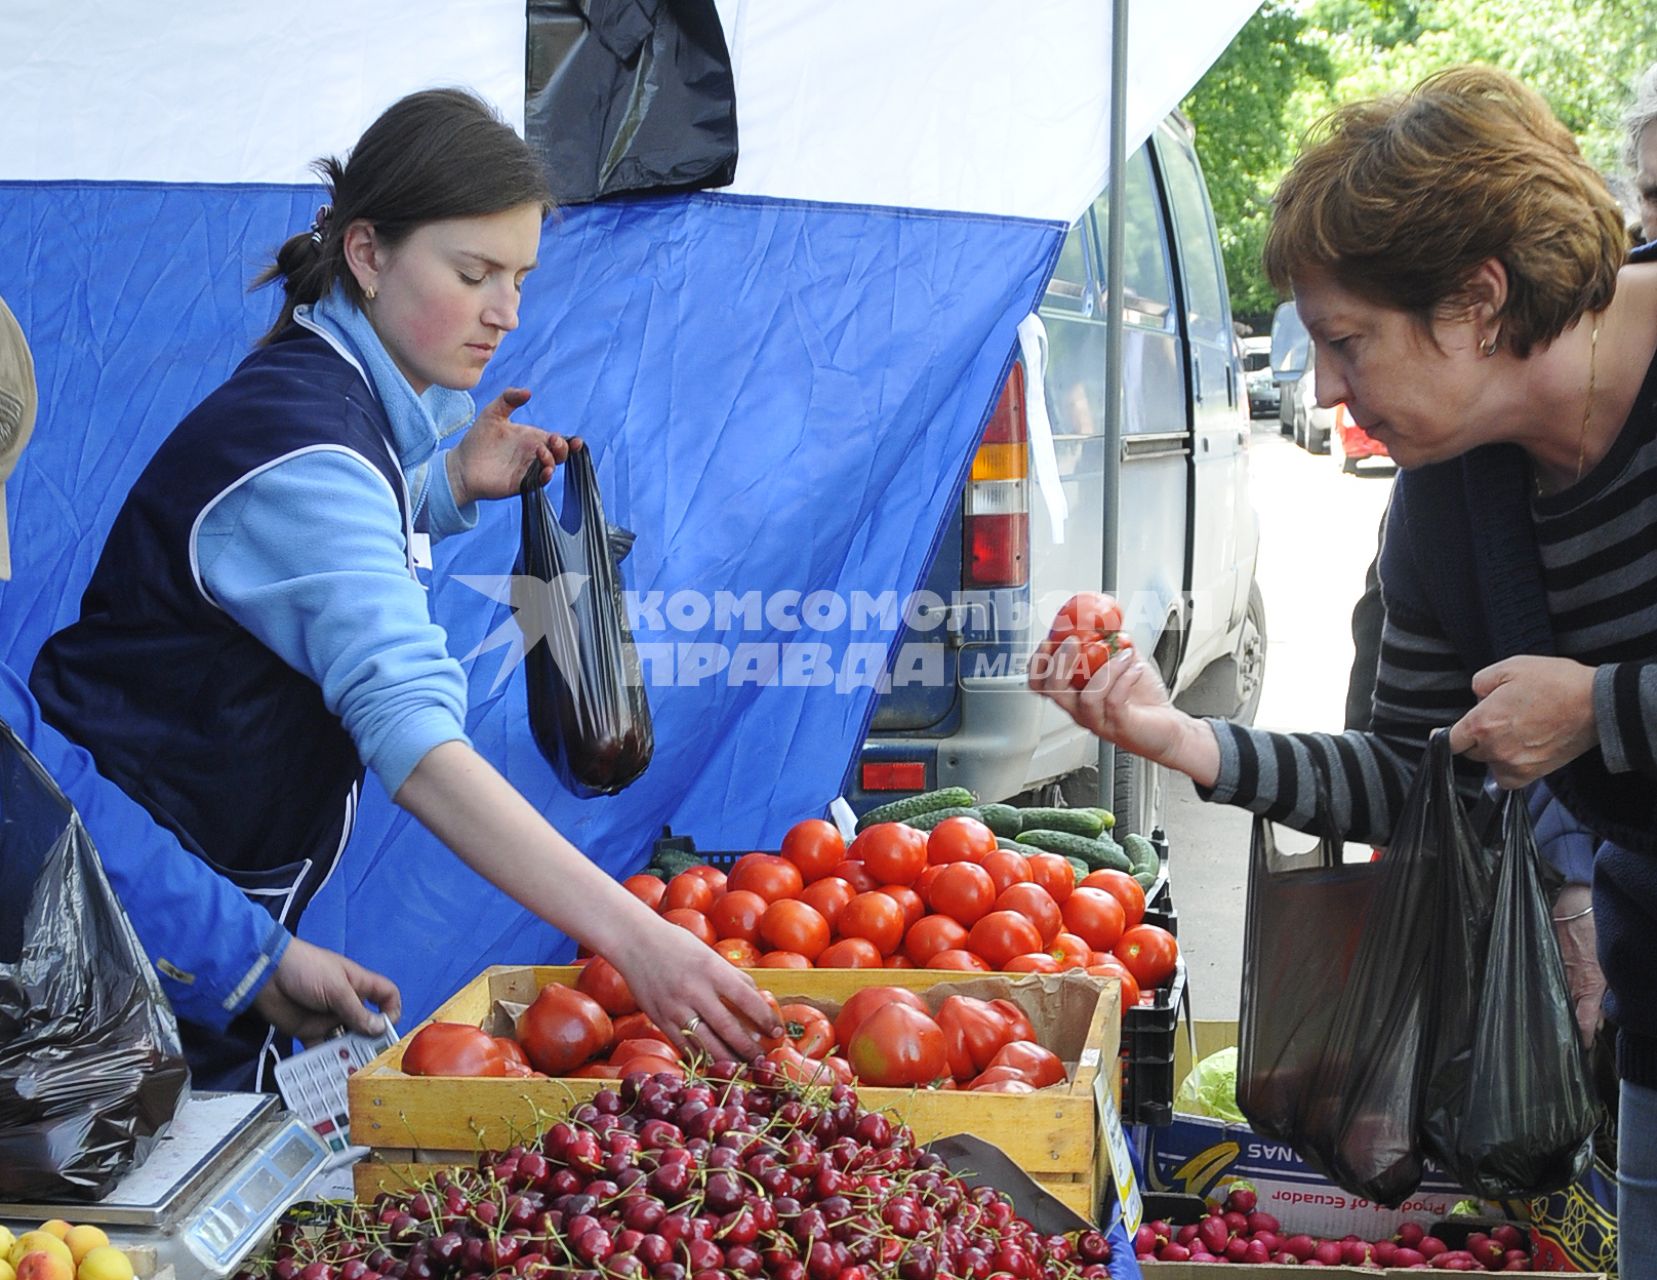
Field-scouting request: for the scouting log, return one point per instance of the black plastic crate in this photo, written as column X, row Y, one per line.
column 1148, row 1054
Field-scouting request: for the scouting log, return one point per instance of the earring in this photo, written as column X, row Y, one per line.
column 368, row 293
column 1489, row 348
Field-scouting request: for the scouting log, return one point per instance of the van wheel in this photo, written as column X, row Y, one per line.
column 1138, row 792
column 1317, row 442
column 1250, row 658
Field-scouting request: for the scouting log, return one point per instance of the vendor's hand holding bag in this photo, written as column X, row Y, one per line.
column 587, row 707
column 91, row 1071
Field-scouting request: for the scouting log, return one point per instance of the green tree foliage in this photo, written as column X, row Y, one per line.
column 1581, row 55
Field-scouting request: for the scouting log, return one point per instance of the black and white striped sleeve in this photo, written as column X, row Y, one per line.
column 1625, row 712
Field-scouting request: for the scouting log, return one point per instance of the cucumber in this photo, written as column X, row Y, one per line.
column 1106, row 817
column 932, row 817
column 1079, row 867
column 1013, row 846
column 1097, row 854
column 1003, row 819
column 1078, row 822
column 913, row 806
column 1143, row 857
column 672, row 861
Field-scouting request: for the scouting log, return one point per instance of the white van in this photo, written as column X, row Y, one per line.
column 1187, row 531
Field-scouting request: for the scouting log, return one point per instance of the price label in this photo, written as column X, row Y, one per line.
column 1121, row 1162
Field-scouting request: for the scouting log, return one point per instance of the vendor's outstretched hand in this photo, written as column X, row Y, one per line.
column 681, row 982
column 493, row 455
column 1534, row 716
column 316, row 992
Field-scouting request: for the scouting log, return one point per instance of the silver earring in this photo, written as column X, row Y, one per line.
column 1489, row 348
column 368, row 293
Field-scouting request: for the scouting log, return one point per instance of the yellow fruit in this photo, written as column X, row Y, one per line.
column 7, row 1240
column 6, row 1272
column 81, row 1241
column 57, row 1226
column 39, row 1242
column 104, row 1263
column 41, row 1264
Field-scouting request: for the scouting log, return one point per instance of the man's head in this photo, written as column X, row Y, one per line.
column 17, row 414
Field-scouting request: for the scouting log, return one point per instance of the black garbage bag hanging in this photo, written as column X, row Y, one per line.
column 587, row 705
column 91, row 1071
column 629, row 96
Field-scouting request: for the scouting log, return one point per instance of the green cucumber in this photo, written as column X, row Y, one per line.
column 1143, row 856
column 1078, row 822
column 932, row 817
column 1003, row 819
column 1106, row 817
column 913, row 806
column 1013, row 846
column 1079, row 867
column 1097, row 854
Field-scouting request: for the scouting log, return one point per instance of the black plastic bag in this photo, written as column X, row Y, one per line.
column 629, row 96
column 587, row 705
column 1519, row 1114
column 91, row 1072
column 1305, row 913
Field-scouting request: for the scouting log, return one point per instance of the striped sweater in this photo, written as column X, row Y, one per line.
column 1598, row 546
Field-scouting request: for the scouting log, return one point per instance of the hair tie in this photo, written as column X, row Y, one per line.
column 319, row 224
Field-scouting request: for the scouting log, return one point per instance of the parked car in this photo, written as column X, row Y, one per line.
column 1263, row 392
column 957, row 710
column 1311, row 424
column 1351, row 444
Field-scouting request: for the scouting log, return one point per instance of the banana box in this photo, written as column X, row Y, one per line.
column 1198, row 1156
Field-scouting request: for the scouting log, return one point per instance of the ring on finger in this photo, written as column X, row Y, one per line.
column 690, row 1027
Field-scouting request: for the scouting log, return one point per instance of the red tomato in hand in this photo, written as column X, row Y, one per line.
column 736, row 914
column 773, row 878
column 963, row 892
column 603, row 982
column 1087, row 612
column 1095, row 917
column 959, row 840
column 562, row 1028
column 876, row 917
column 806, row 1030
column 893, row 853
column 1001, row 935
column 1124, row 888
column 1150, row 954
column 932, row 934
column 1036, row 905
column 895, row 1046
column 814, row 846
column 793, row 926
column 453, row 1049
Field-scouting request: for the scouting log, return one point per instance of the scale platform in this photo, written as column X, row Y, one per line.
column 211, row 1189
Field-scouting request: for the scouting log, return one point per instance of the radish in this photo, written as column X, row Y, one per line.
column 1354, row 1253
column 1408, row 1258
column 1410, row 1235
column 1300, row 1246
column 1185, row 1235
column 1385, row 1251
column 1285, row 1259
column 1259, row 1221
column 1431, row 1247
column 1236, row 1250
column 1509, row 1237
column 1270, row 1239
column 1173, row 1253
column 1255, row 1253
column 1328, row 1252
column 1241, row 1198
column 1238, row 1223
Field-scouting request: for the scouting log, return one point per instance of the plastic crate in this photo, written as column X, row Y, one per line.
column 1148, row 1054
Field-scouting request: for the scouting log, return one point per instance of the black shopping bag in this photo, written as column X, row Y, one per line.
column 91, row 1072
column 1519, row 1111
column 587, row 705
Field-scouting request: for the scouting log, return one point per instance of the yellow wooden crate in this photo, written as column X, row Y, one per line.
column 417, row 1124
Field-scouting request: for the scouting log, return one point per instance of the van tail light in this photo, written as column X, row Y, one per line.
column 894, row 775
column 996, row 528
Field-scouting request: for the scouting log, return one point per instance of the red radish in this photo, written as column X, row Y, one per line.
column 1431, row 1247
column 1285, row 1259
column 1204, row 1256
column 1410, row 1235
column 1354, row 1253
column 1256, row 1253
column 1185, row 1235
column 1237, row 1223
column 1515, row 1255
column 1270, row 1239
column 1161, row 1230
column 1487, row 1252
column 1173, row 1253
column 1328, row 1252
column 1241, row 1198
column 1509, row 1237
column 1300, row 1246
column 1408, row 1258
column 1259, row 1221
column 1237, row 1248
column 1385, row 1251
column 1145, row 1240
column 1214, row 1234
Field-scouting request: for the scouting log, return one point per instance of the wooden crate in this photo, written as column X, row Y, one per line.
column 415, row 1125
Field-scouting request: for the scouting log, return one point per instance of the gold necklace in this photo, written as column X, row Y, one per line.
column 1587, row 408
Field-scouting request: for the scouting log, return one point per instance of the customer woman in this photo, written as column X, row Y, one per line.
column 254, row 634
column 1461, row 268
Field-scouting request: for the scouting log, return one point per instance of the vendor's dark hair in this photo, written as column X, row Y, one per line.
column 436, row 154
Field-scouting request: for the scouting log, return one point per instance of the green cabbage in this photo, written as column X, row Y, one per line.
column 1211, row 1089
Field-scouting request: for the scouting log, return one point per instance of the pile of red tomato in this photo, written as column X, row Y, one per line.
column 900, row 898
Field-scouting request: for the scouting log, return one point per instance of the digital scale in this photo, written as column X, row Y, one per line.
column 210, row 1191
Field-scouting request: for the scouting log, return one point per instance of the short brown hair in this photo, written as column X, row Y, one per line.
column 1401, row 197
